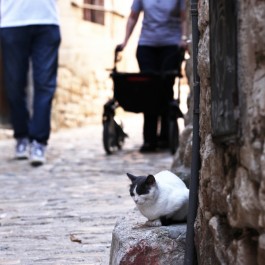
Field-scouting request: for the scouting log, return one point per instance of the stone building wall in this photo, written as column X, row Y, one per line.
column 86, row 52
column 230, row 224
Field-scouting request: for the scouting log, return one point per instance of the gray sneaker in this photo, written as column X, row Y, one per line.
column 22, row 148
column 37, row 153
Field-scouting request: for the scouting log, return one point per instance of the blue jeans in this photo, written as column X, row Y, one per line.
column 38, row 44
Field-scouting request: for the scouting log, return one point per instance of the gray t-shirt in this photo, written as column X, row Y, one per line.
column 161, row 23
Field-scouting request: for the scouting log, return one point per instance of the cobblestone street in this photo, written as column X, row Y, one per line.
column 64, row 212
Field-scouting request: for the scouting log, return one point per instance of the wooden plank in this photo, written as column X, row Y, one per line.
column 97, row 8
column 223, row 58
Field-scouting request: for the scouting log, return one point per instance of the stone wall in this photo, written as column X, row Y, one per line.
column 134, row 243
column 182, row 160
column 85, row 59
column 230, row 225
column 86, row 52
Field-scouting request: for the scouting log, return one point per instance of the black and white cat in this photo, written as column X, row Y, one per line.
column 163, row 198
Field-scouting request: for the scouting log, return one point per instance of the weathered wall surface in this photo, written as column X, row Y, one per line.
column 230, row 225
column 182, row 160
column 86, row 51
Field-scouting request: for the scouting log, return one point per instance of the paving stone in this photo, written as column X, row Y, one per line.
column 63, row 212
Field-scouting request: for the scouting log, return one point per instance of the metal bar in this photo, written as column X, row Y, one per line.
column 190, row 253
column 97, row 8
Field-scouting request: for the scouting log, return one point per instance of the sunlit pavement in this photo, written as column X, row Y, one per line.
column 64, row 211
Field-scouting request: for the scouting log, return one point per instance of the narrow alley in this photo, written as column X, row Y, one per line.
column 63, row 213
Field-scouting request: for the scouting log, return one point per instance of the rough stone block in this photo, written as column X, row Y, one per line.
column 134, row 243
column 261, row 250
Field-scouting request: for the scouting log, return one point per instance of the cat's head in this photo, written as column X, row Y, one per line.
column 143, row 189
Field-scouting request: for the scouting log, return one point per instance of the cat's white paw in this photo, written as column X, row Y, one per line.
column 153, row 223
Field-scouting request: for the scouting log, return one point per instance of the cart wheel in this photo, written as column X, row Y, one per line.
column 121, row 135
column 173, row 136
column 109, row 136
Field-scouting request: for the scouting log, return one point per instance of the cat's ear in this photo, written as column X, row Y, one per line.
column 150, row 180
column 131, row 177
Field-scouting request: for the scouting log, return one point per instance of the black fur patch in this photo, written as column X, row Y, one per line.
column 141, row 186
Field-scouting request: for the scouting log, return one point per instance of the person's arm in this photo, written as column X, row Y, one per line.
column 132, row 20
column 184, row 37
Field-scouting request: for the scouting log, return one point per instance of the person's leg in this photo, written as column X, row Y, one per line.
column 45, row 45
column 170, row 60
column 147, row 60
column 15, row 43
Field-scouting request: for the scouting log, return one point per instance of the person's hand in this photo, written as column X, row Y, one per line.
column 119, row 47
column 184, row 44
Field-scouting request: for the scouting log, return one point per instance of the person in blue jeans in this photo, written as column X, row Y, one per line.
column 162, row 39
column 30, row 33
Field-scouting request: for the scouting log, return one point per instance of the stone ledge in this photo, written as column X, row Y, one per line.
column 133, row 243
